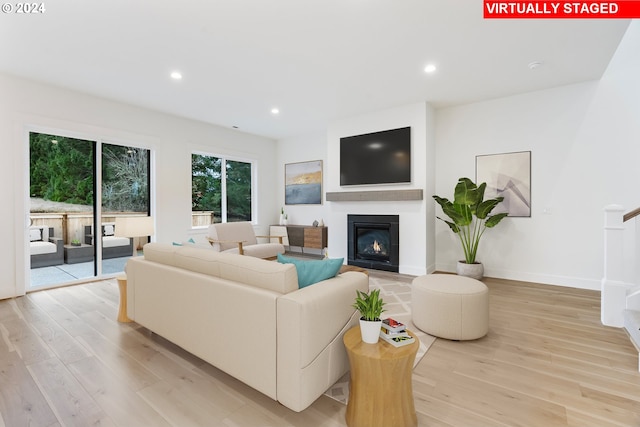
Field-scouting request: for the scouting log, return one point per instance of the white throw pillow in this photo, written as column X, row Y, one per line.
column 35, row 234
column 109, row 230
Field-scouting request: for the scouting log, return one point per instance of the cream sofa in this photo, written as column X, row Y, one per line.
column 247, row 317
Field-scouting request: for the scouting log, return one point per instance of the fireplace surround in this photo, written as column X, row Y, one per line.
column 374, row 241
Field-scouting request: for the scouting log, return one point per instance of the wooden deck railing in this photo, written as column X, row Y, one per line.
column 630, row 215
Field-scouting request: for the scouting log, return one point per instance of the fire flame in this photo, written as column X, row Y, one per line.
column 376, row 246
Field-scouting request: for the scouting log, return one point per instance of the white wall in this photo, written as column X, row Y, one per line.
column 304, row 148
column 25, row 104
column 585, row 151
column 416, row 217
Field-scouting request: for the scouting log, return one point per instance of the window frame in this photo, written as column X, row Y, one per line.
column 223, row 183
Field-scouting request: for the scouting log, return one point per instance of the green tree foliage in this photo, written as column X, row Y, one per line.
column 62, row 169
column 238, row 191
column 206, row 188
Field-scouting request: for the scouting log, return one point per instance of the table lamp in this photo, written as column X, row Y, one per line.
column 134, row 226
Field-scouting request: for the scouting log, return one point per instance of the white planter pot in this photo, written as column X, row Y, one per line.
column 370, row 330
column 475, row 271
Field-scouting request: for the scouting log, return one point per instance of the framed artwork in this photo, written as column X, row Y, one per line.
column 303, row 183
column 507, row 175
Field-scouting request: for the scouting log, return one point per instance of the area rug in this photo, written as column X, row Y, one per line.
column 397, row 298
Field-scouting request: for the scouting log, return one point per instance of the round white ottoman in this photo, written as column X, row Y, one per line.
column 450, row 306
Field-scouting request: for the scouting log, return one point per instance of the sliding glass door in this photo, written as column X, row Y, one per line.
column 66, row 207
column 125, row 195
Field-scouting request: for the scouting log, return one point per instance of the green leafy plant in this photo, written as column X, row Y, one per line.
column 469, row 214
column 369, row 305
column 75, row 242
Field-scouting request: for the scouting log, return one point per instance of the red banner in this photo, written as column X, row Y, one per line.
column 622, row 9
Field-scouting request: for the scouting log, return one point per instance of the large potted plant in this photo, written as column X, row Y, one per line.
column 469, row 219
column 370, row 307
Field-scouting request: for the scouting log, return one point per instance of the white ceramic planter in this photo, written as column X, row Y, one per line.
column 370, row 331
column 475, row 271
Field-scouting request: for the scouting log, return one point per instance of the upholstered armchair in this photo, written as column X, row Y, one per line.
column 45, row 249
column 240, row 238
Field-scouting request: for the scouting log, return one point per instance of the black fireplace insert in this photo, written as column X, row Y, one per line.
column 373, row 241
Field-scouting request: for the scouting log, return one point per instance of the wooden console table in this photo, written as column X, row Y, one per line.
column 380, row 389
column 305, row 236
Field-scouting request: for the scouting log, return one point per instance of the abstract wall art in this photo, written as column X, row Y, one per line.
column 507, row 175
column 303, row 183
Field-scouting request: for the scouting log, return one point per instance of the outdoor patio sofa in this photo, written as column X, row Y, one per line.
column 46, row 250
column 112, row 246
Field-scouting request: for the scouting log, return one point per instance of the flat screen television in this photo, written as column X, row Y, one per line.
column 376, row 158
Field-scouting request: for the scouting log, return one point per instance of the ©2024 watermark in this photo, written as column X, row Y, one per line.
column 23, row 8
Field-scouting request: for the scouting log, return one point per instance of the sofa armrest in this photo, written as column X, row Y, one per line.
column 88, row 235
column 237, row 242
column 311, row 323
column 59, row 242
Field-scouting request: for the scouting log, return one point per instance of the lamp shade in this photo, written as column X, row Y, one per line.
column 134, row 226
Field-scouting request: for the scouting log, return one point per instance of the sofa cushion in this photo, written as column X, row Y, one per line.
column 314, row 271
column 112, row 241
column 262, row 250
column 109, row 229
column 229, row 233
column 35, row 234
column 238, row 268
column 258, row 272
column 41, row 248
column 188, row 257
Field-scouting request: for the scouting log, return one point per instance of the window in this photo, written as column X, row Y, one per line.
column 217, row 196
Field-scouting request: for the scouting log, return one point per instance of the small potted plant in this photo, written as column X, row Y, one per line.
column 370, row 307
column 75, row 242
column 282, row 216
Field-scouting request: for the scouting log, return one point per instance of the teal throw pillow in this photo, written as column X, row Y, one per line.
column 314, row 271
column 191, row 241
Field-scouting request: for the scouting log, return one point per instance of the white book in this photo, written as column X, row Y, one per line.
column 398, row 341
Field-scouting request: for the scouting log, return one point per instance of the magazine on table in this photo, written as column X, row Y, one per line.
column 393, row 325
column 399, row 340
column 390, row 333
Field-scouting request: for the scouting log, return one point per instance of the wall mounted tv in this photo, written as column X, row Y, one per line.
column 376, row 158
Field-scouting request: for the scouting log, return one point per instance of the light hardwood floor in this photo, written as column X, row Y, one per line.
column 547, row 361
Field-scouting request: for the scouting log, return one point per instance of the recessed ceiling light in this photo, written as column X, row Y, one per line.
column 431, row 68
column 176, row 75
column 275, row 111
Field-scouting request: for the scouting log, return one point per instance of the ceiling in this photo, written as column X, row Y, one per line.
column 315, row 60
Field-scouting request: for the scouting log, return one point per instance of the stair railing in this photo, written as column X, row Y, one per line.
column 630, row 215
column 614, row 290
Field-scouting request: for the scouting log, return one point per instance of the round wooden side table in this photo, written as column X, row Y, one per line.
column 380, row 389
